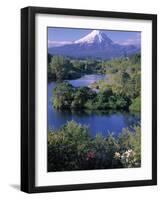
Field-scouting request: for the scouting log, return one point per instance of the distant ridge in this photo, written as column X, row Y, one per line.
column 96, row 45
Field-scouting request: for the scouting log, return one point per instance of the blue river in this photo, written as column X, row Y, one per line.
column 98, row 121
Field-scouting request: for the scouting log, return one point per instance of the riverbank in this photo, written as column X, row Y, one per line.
column 98, row 120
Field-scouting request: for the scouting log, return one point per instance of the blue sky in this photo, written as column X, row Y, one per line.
column 58, row 36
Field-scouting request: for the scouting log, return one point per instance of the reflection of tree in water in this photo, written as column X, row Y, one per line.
column 132, row 119
column 129, row 119
column 83, row 112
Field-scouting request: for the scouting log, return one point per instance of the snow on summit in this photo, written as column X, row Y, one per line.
column 95, row 36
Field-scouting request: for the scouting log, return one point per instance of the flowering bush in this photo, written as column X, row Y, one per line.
column 127, row 158
column 90, row 155
column 72, row 148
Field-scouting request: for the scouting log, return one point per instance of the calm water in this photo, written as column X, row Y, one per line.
column 98, row 122
column 86, row 80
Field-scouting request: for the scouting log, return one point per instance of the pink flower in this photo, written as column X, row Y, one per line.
column 90, row 155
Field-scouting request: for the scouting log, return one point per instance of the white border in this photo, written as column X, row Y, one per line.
column 92, row 176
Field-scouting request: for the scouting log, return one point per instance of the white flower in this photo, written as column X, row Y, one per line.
column 128, row 153
column 117, row 155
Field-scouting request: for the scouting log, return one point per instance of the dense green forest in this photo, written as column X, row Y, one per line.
column 63, row 68
column 72, row 148
column 65, row 96
column 119, row 91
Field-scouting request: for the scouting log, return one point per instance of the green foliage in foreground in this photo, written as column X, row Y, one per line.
column 72, row 148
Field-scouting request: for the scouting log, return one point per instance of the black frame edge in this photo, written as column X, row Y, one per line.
column 28, row 99
column 92, row 13
column 93, row 186
column 24, row 100
column 154, row 99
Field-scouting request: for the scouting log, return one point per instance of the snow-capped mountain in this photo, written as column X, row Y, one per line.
column 94, row 45
column 95, row 37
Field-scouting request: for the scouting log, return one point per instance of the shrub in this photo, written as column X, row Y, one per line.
column 62, row 96
column 136, row 104
column 73, row 148
column 58, row 67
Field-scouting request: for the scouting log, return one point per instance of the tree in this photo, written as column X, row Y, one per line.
column 80, row 96
column 68, row 147
column 49, row 58
column 62, row 96
column 59, row 66
column 136, row 104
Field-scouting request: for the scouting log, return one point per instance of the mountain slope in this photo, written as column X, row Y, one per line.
column 94, row 45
